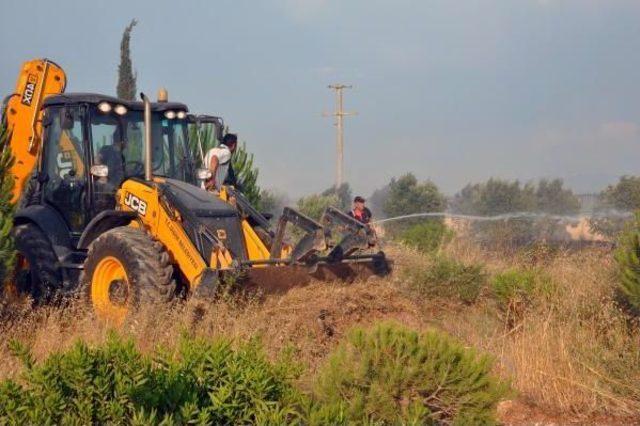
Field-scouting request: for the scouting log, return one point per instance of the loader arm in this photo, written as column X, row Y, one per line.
column 164, row 224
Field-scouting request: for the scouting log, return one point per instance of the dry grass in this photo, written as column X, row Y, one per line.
column 309, row 319
column 574, row 353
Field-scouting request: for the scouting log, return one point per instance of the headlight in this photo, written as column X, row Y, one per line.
column 181, row 115
column 120, row 109
column 104, row 107
column 170, row 114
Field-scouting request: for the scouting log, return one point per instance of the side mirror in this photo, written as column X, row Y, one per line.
column 99, row 170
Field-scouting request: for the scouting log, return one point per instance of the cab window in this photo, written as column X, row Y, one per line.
column 107, row 144
column 64, row 164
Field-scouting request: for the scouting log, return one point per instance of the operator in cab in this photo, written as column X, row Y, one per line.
column 218, row 160
column 360, row 212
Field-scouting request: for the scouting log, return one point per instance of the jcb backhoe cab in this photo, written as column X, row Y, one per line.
column 91, row 144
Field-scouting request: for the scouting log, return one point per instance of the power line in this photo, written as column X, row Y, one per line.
column 339, row 114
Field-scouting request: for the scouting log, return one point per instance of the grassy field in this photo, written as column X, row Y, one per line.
column 548, row 317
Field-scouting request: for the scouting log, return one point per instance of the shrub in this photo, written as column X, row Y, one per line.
column 315, row 205
column 392, row 375
column 504, row 234
column 628, row 259
column 447, row 278
column 609, row 227
column 204, row 382
column 528, row 283
column 515, row 290
column 427, row 236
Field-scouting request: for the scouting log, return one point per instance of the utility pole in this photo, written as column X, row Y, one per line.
column 339, row 114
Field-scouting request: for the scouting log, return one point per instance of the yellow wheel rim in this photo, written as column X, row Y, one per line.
column 110, row 291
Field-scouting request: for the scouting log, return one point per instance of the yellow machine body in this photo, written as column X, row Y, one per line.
column 38, row 79
column 191, row 239
column 164, row 223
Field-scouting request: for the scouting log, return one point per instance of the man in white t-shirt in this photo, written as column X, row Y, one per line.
column 218, row 160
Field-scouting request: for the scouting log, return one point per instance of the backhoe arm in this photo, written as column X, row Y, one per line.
column 38, row 79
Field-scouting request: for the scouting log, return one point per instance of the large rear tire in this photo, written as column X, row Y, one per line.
column 125, row 269
column 38, row 272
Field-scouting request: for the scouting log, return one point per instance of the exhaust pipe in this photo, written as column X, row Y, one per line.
column 148, row 169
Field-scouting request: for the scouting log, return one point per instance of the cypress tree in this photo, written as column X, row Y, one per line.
column 126, row 79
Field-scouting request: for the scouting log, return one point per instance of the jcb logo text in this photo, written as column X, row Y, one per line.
column 135, row 203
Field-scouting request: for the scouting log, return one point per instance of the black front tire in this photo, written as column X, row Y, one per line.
column 148, row 269
column 41, row 277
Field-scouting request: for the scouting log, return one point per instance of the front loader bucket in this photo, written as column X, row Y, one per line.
column 338, row 248
column 281, row 278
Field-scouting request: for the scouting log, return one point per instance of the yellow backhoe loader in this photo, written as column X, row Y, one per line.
column 110, row 208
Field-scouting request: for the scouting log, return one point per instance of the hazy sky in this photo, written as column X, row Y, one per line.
column 455, row 91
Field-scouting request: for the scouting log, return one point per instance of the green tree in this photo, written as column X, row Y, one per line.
column 126, row 78
column 343, row 193
column 407, row 196
column 494, row 197
column 7, row 254
column 377, row 199
column 314, row 205
column 552, row 197
column 624, row 196
column 497, row 196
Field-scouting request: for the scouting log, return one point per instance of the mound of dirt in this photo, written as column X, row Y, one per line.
column 309, row 319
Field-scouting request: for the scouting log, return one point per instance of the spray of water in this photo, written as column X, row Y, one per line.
column 515, row 215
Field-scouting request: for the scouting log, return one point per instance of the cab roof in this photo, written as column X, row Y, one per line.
column 94, row 98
